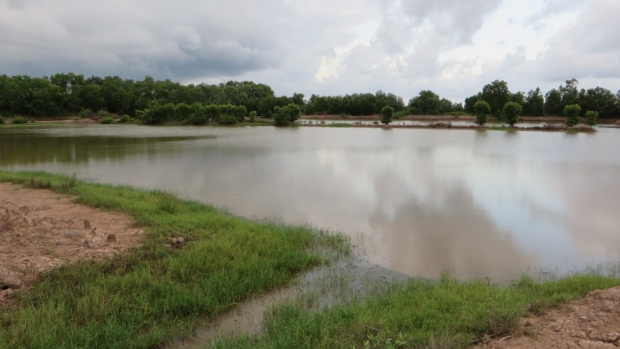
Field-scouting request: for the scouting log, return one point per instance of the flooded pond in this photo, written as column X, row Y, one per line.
column 476, row 203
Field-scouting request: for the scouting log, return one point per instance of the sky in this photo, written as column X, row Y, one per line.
column 323, row 47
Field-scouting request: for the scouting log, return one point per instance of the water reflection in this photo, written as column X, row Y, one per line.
column 478, row 203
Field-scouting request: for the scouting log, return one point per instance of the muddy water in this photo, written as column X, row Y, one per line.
column 477, row 203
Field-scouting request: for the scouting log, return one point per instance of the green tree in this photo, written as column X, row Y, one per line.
column 253, row 116
column 425, row 103
column 534, row 103
column 482, row 109
column 591, row 118
column 553, row 103
column 497, row 95
column 512, row 111
column 386, row 115
column 572, row 114
column 286, row 115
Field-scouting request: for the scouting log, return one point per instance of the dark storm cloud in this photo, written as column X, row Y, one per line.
column 170, row 39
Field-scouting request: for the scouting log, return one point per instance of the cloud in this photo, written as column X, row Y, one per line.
column 589, row 48
column 315, row 46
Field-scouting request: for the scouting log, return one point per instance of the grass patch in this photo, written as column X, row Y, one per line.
column 340, row 124
column 419, row 314
column 143, row 298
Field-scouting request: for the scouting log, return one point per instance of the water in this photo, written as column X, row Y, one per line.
column 476, row 203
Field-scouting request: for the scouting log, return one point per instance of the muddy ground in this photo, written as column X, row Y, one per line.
column 591, row 322
column 41, row 230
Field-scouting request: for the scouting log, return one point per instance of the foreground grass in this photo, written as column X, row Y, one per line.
column 143, row 298
column 418, row 314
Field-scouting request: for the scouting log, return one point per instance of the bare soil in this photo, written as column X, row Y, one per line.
column 41, row 230
column 591, row 322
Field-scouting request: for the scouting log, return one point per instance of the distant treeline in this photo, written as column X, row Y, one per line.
column 65, row 94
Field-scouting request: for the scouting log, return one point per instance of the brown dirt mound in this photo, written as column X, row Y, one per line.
column 591, row 322
column 41, row 230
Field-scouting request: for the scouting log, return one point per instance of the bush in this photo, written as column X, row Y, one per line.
column 107, row 120
column 286, row 115
column 482, row 110
column 20, row 120
column 227, row 119
column 400, row 114
column 125, row 119
column 386, row 114
column 103, row 113
column 1, row 120
column 512, row 111
column 591, row 118
column 84, row 113
column 252, row 116
column 572, row 114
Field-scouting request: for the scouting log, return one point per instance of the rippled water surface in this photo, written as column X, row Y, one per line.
column 477, row 203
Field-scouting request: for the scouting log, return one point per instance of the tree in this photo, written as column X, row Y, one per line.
column 534, row 103
column 497, row 95
column 482, row 109
column 470, row 102
column 426, row 103
column 553, row 103
column 386, row 115
column 569, row 92
column 253, row 116
column 572, row 114
column 591, row 118
column 512, row 111
column 286, row 115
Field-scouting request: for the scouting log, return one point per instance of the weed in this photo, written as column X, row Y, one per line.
column 107, row 120
column 19, row 120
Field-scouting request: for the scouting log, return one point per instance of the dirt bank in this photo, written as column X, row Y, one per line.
column 591, row 322
column 41, row 230
column 549, row 119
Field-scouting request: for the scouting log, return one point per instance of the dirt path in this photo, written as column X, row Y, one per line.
column 591, row 322
column 41, row 230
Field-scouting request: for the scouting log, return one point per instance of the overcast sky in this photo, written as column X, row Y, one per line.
column 325, row 47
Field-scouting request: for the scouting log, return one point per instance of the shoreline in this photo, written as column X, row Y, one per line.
column 147, row 296
column 449, row 126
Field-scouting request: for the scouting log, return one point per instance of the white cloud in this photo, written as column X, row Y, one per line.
column 453, row 47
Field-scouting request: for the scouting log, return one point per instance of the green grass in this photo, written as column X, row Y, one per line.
column 340, row 124
column 418, row 314
column 143, row 298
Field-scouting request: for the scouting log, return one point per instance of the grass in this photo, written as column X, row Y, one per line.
column 143, row 298
column 340, row 124
column 418, row 314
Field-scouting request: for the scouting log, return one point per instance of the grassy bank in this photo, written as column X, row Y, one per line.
column 143, row 298
column 418, row 314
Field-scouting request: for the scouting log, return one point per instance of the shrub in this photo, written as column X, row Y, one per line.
column 103, row 113
column 400, row 114
column 591, row 118
column 286, row 115
column 125, row 119
column 20, row 120
column 386, row 114
column 1, row 120
column 107, row 120
column 572, row 114
column 376, row 122
column 84, row 113
column 252, row 116
column 512, row 111
column 482, row 110
column 182, row 111
column 227, row 119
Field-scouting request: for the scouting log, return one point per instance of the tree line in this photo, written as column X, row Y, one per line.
column 66, row 94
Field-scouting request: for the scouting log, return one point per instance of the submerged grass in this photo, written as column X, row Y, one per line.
column 143, row 298
column 418, row 314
